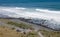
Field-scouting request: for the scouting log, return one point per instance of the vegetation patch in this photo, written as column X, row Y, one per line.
column 21, row 25
column 8, row 32
column 50, row 33
column 32, row 34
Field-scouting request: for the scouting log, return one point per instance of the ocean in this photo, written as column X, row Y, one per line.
column 30, row 7
column 44, row 5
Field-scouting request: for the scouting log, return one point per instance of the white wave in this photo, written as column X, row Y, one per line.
column 20, row 8
column 38, row 13
column 47, row 11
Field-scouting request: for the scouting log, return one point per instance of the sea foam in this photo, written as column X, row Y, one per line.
column 23, row 12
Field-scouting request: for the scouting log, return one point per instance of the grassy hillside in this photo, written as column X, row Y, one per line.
column 21, row 25
column 8, row 32
column 12, row 32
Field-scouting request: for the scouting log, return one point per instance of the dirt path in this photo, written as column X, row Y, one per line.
column 40, row 34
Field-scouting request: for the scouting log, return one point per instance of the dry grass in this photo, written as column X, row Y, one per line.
column 50, row 33
column 7, row 32
column 5, row 20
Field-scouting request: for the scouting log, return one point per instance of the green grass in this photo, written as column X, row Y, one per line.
column 32, row 34
column 21, row 25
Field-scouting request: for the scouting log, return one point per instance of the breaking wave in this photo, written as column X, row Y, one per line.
column 30, row 13
column 45, row 14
